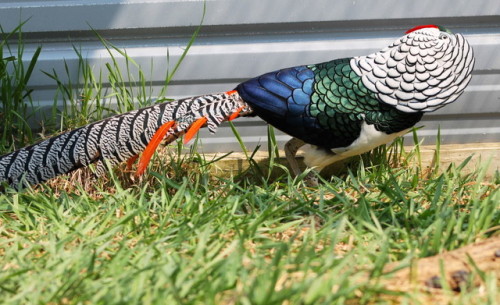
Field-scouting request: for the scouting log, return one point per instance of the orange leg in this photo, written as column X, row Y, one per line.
column 153, row 144
column 194, row 129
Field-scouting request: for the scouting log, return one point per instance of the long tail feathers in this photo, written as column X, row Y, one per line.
column 119, row 138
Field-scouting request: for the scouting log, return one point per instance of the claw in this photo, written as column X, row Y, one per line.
column 153, row 144
column 194, row 129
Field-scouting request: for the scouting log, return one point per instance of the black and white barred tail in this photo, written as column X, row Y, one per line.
column 115, row 139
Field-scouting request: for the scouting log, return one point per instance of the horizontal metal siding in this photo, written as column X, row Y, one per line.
column 244, row 38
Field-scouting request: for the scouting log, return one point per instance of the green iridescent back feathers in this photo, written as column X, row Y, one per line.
column 341, row 102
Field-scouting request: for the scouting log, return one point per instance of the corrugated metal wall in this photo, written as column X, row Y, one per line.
column 244, row 38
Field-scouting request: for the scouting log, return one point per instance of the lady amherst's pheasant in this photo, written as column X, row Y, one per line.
column 339, row 108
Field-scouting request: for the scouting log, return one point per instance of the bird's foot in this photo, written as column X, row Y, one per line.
column 291, row 148
column 311, row 179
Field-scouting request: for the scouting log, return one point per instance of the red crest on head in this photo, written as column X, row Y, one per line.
column 422, row 27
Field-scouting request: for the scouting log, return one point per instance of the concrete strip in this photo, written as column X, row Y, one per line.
column 454, row 153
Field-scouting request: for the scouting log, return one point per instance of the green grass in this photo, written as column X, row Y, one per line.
column 15, row 96
column 184, row 236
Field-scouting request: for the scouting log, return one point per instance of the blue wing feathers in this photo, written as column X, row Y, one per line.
column 255, row 92
column 300, row 97
column 274, row 91
column 272, row 84
column 282, row 98
column 289, row 77
column 308, row 86
column 304, row 74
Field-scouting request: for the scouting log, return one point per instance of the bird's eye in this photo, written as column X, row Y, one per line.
column 443, row 36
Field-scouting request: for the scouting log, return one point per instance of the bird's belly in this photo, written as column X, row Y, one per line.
column 368, row 139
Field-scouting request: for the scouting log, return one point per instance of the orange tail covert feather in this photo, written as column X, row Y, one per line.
column 194, row 129
column 235, row 114
column 153, row 144
column 131, row 161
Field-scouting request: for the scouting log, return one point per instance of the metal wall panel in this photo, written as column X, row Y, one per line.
column 244, row 38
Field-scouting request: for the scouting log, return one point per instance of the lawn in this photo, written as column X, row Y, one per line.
column 182, row 235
